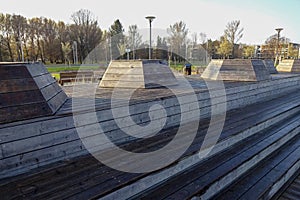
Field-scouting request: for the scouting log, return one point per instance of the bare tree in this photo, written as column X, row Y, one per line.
column 194, row 40
column 233, row 33
column 85, row 31
column 134, row 39
column 203, row 38
column 177, row 37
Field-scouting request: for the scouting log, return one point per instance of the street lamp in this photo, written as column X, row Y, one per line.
column 75, row 54
column 277, row 46
column 150, row 18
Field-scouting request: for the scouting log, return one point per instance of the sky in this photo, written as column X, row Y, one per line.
column 259, row 18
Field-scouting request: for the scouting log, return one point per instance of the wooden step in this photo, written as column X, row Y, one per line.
column 206, row 179
column 88, row 178
column 268, row 177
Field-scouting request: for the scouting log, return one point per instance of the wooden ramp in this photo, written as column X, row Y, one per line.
column 269, row 64
column 289, row 66
column 236, row 70
column 137, row 74
column 28, row 91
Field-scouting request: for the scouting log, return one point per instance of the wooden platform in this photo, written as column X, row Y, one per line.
column 236, row 70
column 137, row 74
column 44, row 158
column 28, row 91
column 289, row 66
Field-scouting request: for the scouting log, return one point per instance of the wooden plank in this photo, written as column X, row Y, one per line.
column 16, row 85
column 21, row 112
column 20, row 98
column 8, row 72
column 197, row 183
column 44, row 80
column 77, row 190
column 57, row 101
column 36, row 69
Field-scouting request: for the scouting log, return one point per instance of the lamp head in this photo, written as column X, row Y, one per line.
column 150, row 18
column 279, row 29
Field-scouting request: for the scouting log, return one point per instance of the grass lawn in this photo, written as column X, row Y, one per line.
column 55, row 69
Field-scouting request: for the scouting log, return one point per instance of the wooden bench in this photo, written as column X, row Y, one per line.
column 76, row 76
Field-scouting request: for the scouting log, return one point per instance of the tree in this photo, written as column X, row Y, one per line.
column 203, row 38
column 177, row 37
column 85, row 31
column 7, row 32
column 63, row 37
column 293, row 51
column 116, row 38
column 194, row 40
column 19, row 26
column 66, row 49
column 35, row 26
column 225, row 47
column 134, row 39
column 233, row 33
column 161, row 50
column 269, row 49
column 248, row 51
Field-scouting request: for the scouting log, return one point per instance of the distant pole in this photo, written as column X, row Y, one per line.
column 75, row 54
column 133, row 45
column 206, row 52
column 277, row 46
column 150, row 18
column 21, row 48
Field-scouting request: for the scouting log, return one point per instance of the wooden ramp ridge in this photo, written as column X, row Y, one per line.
column 257, row 151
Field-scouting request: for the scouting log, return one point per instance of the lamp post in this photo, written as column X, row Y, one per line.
column 150, row 18
column 75, row 54
column 277, row 46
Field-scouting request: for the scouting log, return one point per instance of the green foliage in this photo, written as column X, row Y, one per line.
column 225, row 48
column 59, row 68
column 248, row 51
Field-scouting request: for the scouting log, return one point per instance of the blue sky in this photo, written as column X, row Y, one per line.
column 258, row 17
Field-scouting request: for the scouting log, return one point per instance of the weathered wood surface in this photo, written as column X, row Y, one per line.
column 86, row 178
column 236, row 70
column 54, row 138
column 27, row 91
column 292, row 191
column 77, row 76
column 139, row 73
column 270, row 65
column 289, row 66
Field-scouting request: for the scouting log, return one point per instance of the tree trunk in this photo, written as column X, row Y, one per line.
column 10, row 51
